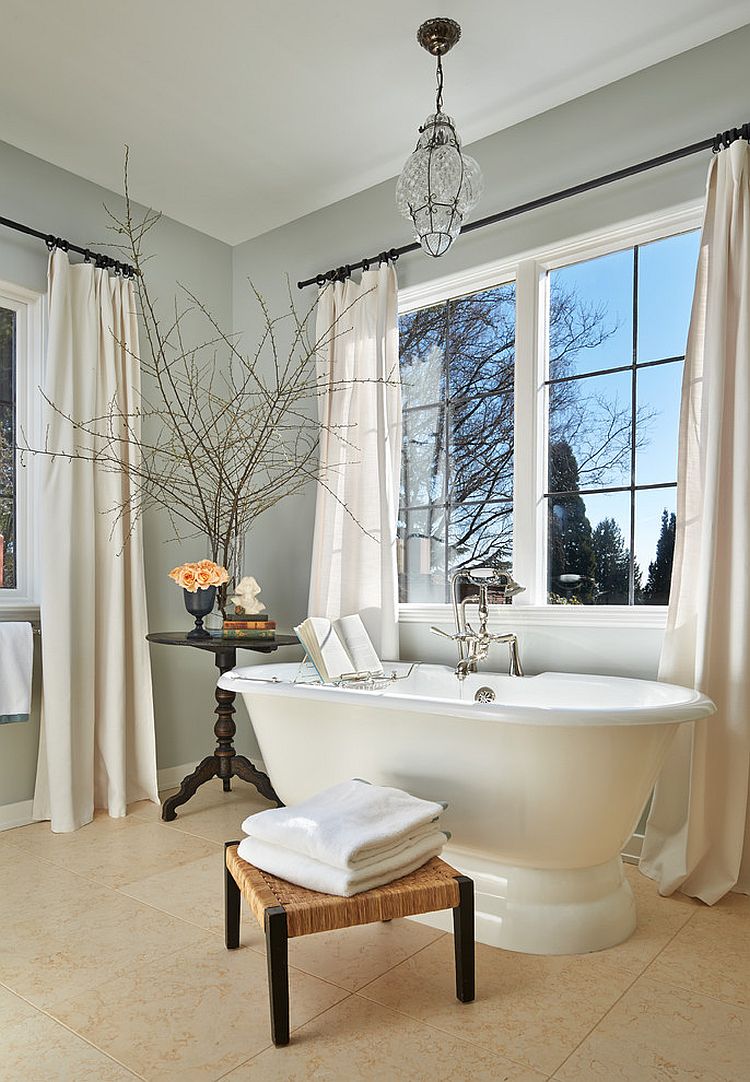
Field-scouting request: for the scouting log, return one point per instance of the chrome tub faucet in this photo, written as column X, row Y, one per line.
column 476, row 584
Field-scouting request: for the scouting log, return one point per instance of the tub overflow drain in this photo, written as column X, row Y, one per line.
column 484, row 695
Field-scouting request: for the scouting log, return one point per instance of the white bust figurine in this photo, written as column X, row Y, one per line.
column 246, row 597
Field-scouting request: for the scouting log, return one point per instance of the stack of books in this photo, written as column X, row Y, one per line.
column 255, row 625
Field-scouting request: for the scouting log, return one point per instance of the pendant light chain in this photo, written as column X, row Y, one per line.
column 439, row 95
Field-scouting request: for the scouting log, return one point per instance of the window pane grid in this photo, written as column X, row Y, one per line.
column 468, row 518
column 611, row 371
column 567, row 513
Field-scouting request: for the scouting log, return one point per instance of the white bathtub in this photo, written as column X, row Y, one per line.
column 544, row 786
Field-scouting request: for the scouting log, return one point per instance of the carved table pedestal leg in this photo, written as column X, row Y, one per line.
column 225, row 763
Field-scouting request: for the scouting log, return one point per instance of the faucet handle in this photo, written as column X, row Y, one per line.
column 463, row 636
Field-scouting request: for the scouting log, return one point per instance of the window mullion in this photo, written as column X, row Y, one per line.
column 528, row 437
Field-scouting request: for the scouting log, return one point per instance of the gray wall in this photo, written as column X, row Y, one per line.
column 673, row 103
column 48, row 198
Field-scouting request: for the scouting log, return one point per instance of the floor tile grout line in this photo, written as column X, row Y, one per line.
column 109, row 886
column 292, row 1030
column 401, row 963
column 458, row 1037
column 166, row 912
column 619, row 998
column 117, row 975
column 63, row 1025
column 675, row 986
column 60, row 867
column 432, row 1025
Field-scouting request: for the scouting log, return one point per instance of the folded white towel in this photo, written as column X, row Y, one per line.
column 347, row 825
column 315, row 875
column 16, row 658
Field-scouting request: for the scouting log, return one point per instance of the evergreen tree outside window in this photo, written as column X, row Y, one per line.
column 613, row 414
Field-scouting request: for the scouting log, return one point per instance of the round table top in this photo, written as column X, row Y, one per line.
column 223, row 643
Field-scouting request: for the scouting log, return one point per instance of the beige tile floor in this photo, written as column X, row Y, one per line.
column 112, row 967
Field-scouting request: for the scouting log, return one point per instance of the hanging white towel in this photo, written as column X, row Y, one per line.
column 16, row 659
column 315, row 875
column 348, row 825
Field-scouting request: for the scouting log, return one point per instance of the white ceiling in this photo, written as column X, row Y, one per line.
column 244, row 115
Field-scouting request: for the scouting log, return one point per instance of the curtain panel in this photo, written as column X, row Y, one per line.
column 354, row 566
column 97, row 746
column 698, row 830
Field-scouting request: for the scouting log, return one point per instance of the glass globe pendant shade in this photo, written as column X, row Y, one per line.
column 438, row 185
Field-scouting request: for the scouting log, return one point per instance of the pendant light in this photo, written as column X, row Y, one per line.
column 439, row 184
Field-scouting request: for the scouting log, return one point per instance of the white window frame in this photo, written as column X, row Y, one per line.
column 23, row 600
column 529, row 271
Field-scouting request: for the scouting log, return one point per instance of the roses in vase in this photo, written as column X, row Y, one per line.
column 199, row 576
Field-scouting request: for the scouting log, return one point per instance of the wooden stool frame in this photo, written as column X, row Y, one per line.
column 277, row 932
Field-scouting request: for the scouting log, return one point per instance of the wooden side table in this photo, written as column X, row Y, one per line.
column 224, row 763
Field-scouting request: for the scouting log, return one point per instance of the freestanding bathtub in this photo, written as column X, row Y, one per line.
column 544, row 785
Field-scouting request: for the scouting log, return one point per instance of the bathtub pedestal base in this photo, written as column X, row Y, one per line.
column 546, row 910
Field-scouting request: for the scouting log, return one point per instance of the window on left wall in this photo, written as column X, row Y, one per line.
column 20, row 372
column 8, row 470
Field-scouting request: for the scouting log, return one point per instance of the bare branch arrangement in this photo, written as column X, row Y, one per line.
column 218, row 436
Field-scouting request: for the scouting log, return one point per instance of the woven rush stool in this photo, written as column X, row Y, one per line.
column 284, row 910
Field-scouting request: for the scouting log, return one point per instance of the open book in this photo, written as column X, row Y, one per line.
column 336, row 647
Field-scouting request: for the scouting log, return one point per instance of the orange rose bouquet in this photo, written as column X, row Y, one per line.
column 199, row 576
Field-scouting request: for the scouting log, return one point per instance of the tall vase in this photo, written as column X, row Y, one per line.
column 199, row 603
column 234, row 563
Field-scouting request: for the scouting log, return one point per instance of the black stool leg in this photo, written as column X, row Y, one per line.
column 231, row 905
column 463, row 939
column 278, row 972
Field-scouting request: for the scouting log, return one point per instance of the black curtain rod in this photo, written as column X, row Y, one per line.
column 715, row 143
column 104, row 261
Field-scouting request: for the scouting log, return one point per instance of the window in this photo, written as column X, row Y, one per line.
column 20, row 351
column 457, row 370
column 7, row 449
column 616, row 344
column 563, row 380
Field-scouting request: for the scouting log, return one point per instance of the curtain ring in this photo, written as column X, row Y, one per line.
column 50, row 242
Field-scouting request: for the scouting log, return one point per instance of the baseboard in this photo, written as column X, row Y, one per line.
column 171, row 776
column 631, row 854
column 16, row 815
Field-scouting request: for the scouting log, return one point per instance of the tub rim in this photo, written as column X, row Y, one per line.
column 250, row 680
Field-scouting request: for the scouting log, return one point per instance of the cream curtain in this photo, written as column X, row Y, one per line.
column 97, row 747
column 698, row 831
column 354, row 546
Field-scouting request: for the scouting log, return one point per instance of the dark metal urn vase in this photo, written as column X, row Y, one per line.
column 199, row 604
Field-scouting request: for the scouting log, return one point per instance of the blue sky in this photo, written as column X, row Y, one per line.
column 666, row 274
